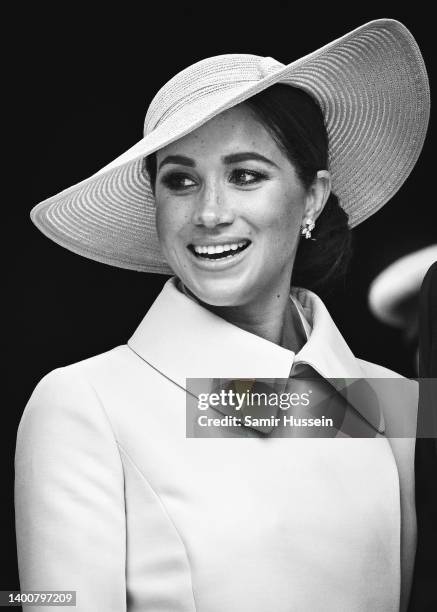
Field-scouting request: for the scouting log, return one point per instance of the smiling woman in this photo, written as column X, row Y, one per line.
column 290, row 119
column 222, row 201
column 231, row 192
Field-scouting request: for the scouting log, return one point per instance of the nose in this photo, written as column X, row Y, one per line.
column 213, row 207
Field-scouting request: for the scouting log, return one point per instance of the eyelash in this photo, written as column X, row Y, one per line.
column 173, row 180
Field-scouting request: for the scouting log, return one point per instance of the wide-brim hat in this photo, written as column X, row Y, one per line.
column 371, row 85
column 394, row 293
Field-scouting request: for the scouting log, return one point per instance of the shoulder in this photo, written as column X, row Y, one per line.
column 70, row 392
column 77, row 377
column 397, row 396
column 65, row 426
column 374, row 370
column 85, row 390
column 390, row 383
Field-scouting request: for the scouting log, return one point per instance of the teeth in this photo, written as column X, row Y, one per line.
column 219, row 248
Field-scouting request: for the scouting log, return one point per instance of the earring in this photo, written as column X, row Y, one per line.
column 308, row 228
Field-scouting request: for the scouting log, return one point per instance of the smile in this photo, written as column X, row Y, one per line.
column 219, row 251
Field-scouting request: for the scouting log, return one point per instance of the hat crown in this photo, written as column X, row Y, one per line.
column 204, row 78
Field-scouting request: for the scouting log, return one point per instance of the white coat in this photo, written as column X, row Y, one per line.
column 115, row 502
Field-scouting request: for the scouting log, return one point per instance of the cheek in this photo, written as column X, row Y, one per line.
column 170, row 219
column 283, row 220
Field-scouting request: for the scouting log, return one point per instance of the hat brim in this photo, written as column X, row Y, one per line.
column 373, row 89
column 395, row 289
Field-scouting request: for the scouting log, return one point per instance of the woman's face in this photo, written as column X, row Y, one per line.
column 229, row 208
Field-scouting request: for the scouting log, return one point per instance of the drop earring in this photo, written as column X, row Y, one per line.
column 308, row 227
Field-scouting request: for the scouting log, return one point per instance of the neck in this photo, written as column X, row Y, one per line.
column 265, row 318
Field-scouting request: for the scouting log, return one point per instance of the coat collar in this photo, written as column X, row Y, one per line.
column 182, row 339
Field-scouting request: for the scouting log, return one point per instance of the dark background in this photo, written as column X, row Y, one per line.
column 83, row 86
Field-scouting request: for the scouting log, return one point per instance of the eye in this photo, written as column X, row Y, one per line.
column 178, row 181
column 245, row 178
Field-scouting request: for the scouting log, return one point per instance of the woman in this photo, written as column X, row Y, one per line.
column 113, row 500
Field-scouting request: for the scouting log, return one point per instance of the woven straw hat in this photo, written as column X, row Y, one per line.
column 371, row 85
column 394, row 293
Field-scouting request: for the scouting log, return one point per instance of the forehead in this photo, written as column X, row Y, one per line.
column 236, row 129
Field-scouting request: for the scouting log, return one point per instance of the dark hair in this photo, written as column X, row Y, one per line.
column 296, row 122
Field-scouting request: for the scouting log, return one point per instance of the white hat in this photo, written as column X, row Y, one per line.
column 391, row 292
column 371, row 85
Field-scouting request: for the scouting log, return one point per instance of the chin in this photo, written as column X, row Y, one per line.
column 220, row 293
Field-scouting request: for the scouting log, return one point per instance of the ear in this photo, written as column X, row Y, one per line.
column 317, row 195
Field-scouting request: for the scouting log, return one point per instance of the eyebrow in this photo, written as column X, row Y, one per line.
column 233, row 158
column 177, row 159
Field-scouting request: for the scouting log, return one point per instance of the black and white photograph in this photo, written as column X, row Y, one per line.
column 222, row 379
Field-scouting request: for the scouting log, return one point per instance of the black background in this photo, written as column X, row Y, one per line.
column 82, row 88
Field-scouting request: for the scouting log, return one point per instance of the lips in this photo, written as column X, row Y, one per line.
column 226, row 250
